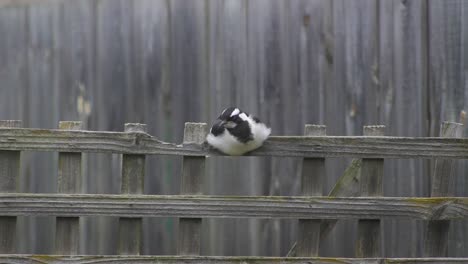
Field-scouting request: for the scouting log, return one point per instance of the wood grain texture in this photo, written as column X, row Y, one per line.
column 90, row 259
column 68, row 181
column 404, row 105
column 368, row 238
column 443, row 171
column 193, row 171
column 163, row 62
column 348, row 185
column 436, row 242
column 313, row 174
column 133, row 174
column 286, row 146
column 448, row 65
column 73, row 205
column 9, row 175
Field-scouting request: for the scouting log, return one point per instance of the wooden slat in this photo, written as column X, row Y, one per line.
column 436, row 242
column 368, row 237
column 9, row 174
column 68, row 181
column 72, row 205
column 193, row 170
column 313, row 173
column 287, row 146
column 348, row 185
column 133, row 174
column 26, row 259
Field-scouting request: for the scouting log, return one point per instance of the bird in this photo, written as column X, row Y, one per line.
column 235, row 132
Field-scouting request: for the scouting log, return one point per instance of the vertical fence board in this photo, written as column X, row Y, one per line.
column 447, row 87
column 368, row 243
column 355, row 91
column 133, row 173
column 151, row 36
column 68, row 181
column 40, row 109
column 436, row 243
column 227, row 53
column 193, row 170
column 403, row 74
column 9, row 174
column 313, row 173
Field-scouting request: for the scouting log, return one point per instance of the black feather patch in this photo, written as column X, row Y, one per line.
column 217, row 129
column 241, row 132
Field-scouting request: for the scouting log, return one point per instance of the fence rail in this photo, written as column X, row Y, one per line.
column 72, row 205
column 39, row 259
column 287, row 146
column 317, row 214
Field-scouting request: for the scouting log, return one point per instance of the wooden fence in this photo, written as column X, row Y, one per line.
column 317, row 214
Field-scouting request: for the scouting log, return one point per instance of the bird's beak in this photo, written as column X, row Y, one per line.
column 219, row 123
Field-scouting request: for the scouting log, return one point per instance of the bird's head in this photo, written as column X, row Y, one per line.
column 230, row 119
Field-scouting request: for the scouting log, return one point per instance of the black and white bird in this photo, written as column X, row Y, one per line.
column 235, row 132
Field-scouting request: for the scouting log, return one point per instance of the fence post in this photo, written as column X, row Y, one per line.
column 313, row 172
column 133, row 174
column 68, row 181
column 436, row 242
column 9, row 174
column 368, row 241
column 193, row 170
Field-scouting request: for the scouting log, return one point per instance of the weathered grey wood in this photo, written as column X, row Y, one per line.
column 193, row 171
column 53, row 259
column 9, row 175
column 404, row 105
column 368, row 240
column 436, row 242
column 73, row 205
column 133, row 174
column 313, row 173
column 25, row 3
column 444, row 167
column 348, row 185
column 286, row 146
column 68, row 181
column 448, row 65
column 349, row 102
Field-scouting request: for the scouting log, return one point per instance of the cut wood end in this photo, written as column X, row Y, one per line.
column 135, row 127
column 11, row 123
column 195, row 132
column 70, row 125
column 315, row 130
column 374, row 130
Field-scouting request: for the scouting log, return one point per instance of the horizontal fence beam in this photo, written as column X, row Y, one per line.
column 23, row 259
column 288, row 146
column 233, row 207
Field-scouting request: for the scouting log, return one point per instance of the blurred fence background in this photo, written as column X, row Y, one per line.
column 342, row 63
